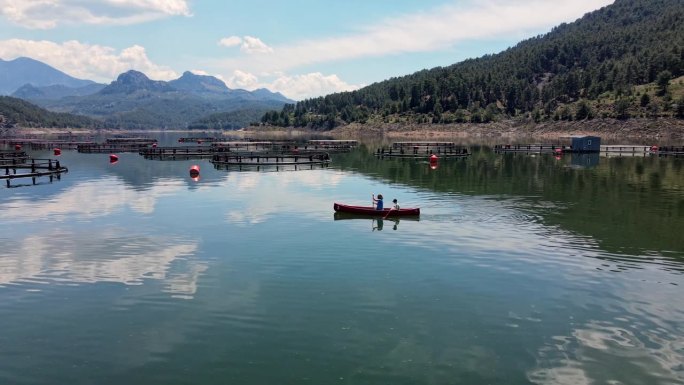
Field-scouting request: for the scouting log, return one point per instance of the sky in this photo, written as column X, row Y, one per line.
column 300, row 48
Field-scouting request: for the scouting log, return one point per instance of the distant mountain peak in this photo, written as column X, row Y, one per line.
column 132, row 81
column 199, row 83
column 23, row 70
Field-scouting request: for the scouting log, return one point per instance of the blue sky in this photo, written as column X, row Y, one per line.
column 301, row 48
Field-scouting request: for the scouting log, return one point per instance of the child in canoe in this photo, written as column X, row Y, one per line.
column 378, row 202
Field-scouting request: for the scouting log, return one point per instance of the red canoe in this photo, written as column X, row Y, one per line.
column 369, row 210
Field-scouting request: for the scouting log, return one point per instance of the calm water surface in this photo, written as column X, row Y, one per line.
column 521, row 270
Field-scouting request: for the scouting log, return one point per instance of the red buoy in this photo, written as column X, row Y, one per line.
column 194, row 171
column 113, row 158
column 558, row 151
column 154, row 145
column 17, row 147
column 433, row 158
column 654, row 148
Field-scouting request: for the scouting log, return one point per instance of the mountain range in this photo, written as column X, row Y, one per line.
column 133, row 100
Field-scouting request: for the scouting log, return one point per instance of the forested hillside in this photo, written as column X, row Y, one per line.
column 17, row 112
column 622, row 61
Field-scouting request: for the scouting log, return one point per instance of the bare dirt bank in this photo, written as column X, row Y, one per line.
column 654, row 129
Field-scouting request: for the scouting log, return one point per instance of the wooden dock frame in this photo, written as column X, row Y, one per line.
column 423, row 150
column 177, row 153
column 38, row 168
column 270, row 159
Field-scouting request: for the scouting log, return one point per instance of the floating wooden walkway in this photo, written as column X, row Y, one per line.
column 135, row 140
column 423, row 150
column 34, row 169
column 265, row 158
column 98, row 148
column 200, row 139
column 668, row 151
column 536, row 148
column 177, row 153
column 42, row 144
column 605, row 149
column 12, row 157
column 331, row 145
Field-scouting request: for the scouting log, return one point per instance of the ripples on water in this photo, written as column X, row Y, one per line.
column 136, row 273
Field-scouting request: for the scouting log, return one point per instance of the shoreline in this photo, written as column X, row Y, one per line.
column 636, row 129
column 662, row 129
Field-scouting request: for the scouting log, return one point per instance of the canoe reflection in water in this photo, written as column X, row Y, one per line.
column 377, row 223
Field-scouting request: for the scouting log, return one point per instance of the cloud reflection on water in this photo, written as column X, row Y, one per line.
column 94, row 198
column 60, row 257
column 580, row 357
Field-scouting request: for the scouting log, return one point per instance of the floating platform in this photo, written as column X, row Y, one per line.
column 131, row 140
column 33, row 169
column 106, row 148
column 186, row 152
column 200, row 139
column 535, row 148
column 12, row 157
column 423, row 149
column 331, row 145
column 675, row 151
column 270, row 167
column 423, row 152
column 274, row 159
column 605, row 149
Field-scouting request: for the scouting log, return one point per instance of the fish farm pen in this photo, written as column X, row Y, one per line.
column 423, row 149
column 98, row 148
column 536, row 148
column 270, row 158
column 12, row 157
column 607, row 150
column 32, row 169
column 42, row 144
column 331, row 145
column 177, row 153
column 141, row 141
column 200, row 139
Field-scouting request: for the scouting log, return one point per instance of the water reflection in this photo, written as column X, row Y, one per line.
column 94, row 198
column 63, row 257
column 580, row 358
column 377, row 223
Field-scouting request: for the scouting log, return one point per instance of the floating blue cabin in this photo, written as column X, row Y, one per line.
column 585, row 144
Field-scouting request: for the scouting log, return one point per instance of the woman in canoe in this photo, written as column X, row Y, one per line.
column 378, row 202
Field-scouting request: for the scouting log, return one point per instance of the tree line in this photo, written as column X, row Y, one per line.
column 622, row 61
column 18, row 112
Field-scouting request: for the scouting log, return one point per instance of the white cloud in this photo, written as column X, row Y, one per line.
column 241, row 79
column 230, row 41
column 302, row 86
column 47, row 14
column 86, row 61
column 254, row 45
column 435, row 29
column 248, row 44
column 296, row 87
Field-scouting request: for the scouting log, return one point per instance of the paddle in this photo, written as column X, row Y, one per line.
column 391, row 208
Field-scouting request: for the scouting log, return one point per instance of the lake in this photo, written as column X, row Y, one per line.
column 521, row 269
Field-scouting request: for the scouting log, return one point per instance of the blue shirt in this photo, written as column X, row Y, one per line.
column 379, row 204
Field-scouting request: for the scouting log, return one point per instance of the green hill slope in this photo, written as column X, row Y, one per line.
column 20, row 113
column 621, row 61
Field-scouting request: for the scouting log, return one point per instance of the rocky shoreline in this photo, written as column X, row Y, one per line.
column 651, row 129
column 661, row 130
